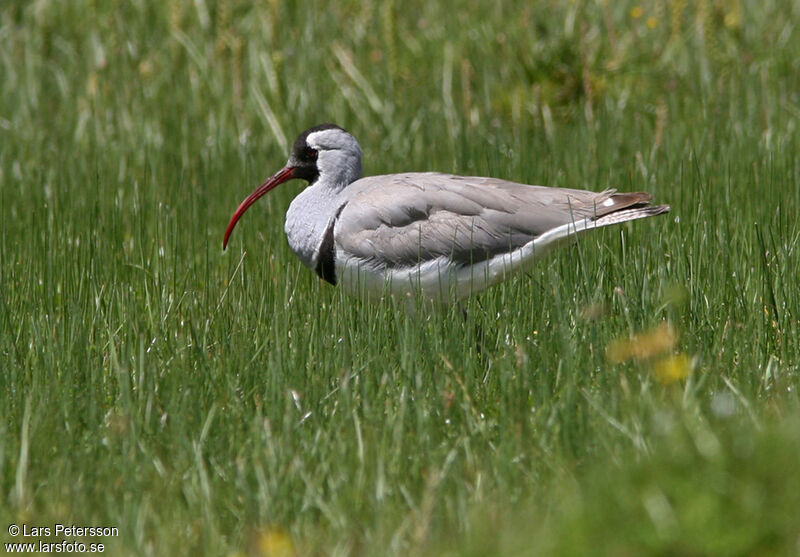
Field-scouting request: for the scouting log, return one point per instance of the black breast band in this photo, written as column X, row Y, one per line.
column 326, row 258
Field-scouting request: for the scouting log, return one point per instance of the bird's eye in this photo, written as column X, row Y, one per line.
column 309, row 153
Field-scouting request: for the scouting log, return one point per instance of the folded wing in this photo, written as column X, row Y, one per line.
column 401, row 219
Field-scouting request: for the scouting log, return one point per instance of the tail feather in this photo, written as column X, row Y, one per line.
column 557, row 236
column 629, row 207
column 610, row 201
column 635, row 211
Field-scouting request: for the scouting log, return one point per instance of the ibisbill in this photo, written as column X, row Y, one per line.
column 441, row 235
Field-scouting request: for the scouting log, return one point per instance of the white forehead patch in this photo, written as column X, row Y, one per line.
column 332, row 139
column 339, row 156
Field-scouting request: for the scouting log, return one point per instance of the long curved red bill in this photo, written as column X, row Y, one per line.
column 284, row 174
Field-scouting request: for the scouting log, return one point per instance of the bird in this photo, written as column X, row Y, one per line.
column 441, row 235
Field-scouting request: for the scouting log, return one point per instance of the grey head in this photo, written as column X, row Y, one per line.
column 326, row 156
column 326, row 152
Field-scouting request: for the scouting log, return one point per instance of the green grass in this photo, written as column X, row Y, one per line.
column 212, row 403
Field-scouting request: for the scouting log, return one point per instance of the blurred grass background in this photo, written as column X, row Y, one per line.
column 635, row 394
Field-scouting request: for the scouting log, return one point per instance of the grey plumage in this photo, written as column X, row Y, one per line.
column 400, row 219
column 442, row 235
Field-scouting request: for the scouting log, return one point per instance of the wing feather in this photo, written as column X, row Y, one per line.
column 401, row 219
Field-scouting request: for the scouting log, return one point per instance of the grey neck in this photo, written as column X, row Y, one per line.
column 339, row 168
column 312, row 212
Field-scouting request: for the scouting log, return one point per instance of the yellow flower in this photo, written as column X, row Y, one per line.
column 273, row 541
column 636, row 12
column 672, row 368
column 652, row 22
column 644, row 345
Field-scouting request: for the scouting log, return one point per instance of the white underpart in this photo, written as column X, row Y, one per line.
column 440, row 280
